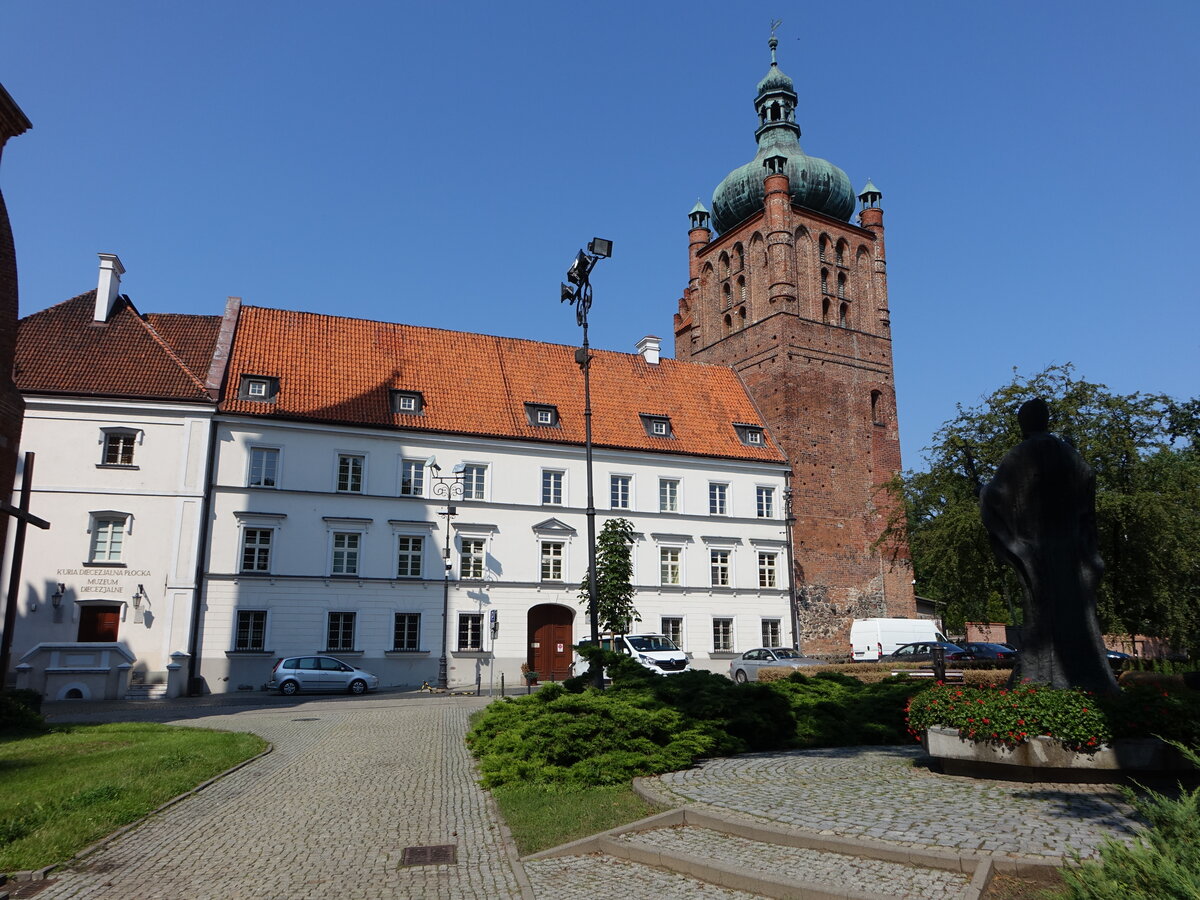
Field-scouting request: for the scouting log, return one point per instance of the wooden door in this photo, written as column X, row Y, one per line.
column 98, row 624
column 550, row 652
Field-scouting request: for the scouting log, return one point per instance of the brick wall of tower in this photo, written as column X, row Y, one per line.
column 12, row 407
column 827, row 391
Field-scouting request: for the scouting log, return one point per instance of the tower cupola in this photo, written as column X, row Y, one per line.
column 814, row 183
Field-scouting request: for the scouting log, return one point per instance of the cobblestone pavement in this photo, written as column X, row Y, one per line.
column 877, row 793
column 351, row 782
column 799, row 864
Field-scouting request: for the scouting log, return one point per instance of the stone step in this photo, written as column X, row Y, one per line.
column 775, row 870
column 746, row 856
column 146, row 692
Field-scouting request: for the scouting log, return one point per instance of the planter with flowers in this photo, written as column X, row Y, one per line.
column 530, row 676
column 1042, row 734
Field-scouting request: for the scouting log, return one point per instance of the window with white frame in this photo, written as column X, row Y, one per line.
column 669, row 568
column 672, row 627
column 474, row 482
column 772, row 633
column 719, row 567
column 618, row 492
column 251, row 631
column 668, row 495
column 765, row 502
column 406, row 632
column 552, row 561
column 767, row 577
column 471, row 558
column 118, row 446
column 470, row 632
column 340, row 631
column 264, row 467
column 718, row 499
column 346, row 547
column 722, row 635
column 552, row 487
column 409, row 549
column 108, row 538
column 256, row 549
column 350, row 473
column 412, row 478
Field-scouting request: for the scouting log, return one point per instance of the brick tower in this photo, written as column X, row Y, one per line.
column 793, row 296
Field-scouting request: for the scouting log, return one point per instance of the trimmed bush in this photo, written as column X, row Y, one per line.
column 19, row 713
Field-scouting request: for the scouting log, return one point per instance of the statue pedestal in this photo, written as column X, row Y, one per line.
column 1045, row 759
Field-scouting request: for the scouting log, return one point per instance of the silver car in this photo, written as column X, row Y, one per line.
column 319, row 673
column 745, row 667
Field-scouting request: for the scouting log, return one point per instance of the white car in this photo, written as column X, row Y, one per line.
column 319, row 673
column 745, row 667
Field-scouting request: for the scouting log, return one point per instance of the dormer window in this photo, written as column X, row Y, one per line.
column 750, row 435
column 542, row 415
column 657, row 426
column 258, row 388
column 408, row 403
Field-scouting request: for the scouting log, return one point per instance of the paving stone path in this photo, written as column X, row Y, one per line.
column 879, row 794
column 351, row 783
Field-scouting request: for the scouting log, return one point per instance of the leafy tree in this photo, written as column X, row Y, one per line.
column 614, row 576
column 1143, row 450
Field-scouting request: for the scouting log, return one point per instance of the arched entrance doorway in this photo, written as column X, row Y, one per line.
column 549, row 647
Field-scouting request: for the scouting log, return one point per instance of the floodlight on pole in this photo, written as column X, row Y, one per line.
column 579, row 274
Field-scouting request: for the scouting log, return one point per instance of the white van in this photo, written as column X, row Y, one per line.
column 656, row 652
column 873, row 639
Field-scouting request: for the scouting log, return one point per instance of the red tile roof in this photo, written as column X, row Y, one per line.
column 61, row 350
column 341, row 370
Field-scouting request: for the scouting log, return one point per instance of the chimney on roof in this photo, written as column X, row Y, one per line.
column 649, row 347
column 108, row 289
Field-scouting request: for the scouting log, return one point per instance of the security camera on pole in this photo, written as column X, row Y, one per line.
column 579, row 293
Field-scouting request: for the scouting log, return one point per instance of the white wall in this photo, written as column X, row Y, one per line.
column 299, row 591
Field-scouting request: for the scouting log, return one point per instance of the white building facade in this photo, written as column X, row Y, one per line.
column 332, row 540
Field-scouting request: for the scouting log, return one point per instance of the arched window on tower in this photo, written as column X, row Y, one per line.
column 739, row 253
column 825, row 310
column 726, row 298
column 824, row 248
column 741, row 289
column 824, row 281
column 742, row 317
column 841, row 252
column 842, row 285
column 843, row 310
column 877, row 407
column 728, row 324
column 723, row 265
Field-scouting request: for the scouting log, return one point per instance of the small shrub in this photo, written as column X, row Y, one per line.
column 1162, row 861
column 17, row 716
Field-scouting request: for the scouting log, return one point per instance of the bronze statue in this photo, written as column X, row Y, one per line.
column 1040, row 514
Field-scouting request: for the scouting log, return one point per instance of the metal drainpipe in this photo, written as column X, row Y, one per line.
column 201, row 561
column 791, row 561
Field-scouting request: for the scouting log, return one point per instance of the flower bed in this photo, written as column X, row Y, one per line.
column 1076, row 719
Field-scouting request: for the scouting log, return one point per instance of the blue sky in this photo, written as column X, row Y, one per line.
column 440, row 164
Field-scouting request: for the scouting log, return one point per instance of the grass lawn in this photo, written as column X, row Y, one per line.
column 542, row 816
column 67, row 788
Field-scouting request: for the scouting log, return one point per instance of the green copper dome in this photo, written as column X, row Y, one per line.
column 814, row 183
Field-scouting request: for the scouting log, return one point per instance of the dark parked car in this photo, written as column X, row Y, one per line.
column 990, row 651
column 319, row 673
column 1116, row 659
column 745, row 667
column 922, row 651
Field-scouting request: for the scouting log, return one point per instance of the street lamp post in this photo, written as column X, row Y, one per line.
column 579, row 294
column 446, row 486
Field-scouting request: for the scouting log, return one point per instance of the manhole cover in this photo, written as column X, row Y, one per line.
column 306, row 720
column 439, row 854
